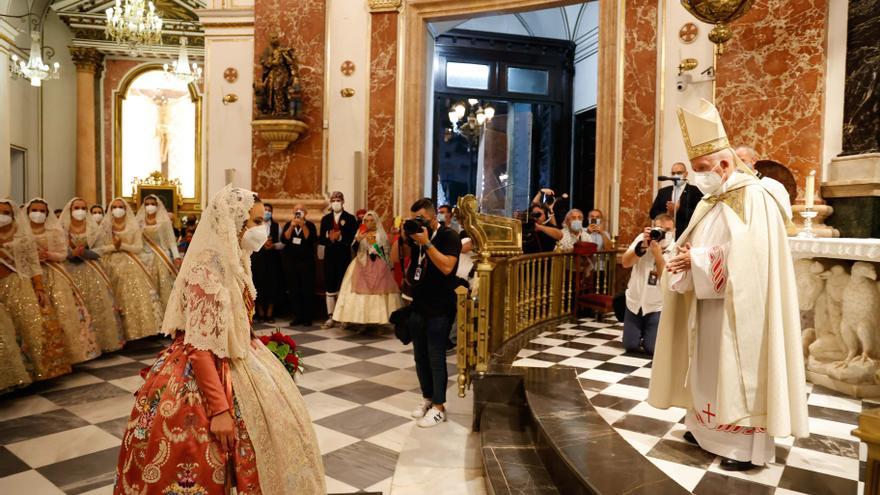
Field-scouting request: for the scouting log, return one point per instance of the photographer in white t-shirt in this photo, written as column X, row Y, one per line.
column 647, row 256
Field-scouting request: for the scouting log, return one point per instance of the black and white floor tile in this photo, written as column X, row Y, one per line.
column 63, row 436
column 830, row 462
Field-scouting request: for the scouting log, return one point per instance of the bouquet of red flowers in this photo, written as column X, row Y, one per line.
column 285, row 350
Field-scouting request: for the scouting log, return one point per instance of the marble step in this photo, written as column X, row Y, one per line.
column 582, row 453
column 510, row 461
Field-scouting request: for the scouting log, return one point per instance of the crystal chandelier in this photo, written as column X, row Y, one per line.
column 468, row 119
column 181, row 68
column 134, row 24
column 35, row 69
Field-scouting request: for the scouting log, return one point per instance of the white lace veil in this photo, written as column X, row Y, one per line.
column 57, row 239
column 22, row 250
column 92, row 228
column 163, row 222
column 207, row 301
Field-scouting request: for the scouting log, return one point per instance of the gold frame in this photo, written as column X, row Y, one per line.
column 147, row 189
column 186, row 205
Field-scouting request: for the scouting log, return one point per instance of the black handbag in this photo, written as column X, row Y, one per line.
column 400, row 320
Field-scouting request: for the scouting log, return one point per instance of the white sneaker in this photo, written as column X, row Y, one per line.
column 421, row 409
column 432, row 418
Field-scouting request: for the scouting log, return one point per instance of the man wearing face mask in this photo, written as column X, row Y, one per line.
column 338, row 229
column 647, row 256
column 680, row 199
column 298, row 258
column 729, row 346
column 749, row 156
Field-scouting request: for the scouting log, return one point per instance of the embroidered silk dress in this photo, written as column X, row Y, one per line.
column 133, row 287
column 13, row 370
column 214, row 367
column 160, row 250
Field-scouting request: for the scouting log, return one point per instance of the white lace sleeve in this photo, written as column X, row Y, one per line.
column 206, row 306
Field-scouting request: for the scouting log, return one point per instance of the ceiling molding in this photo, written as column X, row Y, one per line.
column 525, row 24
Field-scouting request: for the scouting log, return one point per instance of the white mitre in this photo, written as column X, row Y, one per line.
column 703, row 131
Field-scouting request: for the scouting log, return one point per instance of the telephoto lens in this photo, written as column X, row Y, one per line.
column 657, row 234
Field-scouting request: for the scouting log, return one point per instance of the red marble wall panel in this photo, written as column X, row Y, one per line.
column 383, row 68
column 114, row 72
column 296, row 171
column 639, row 108
column 771, row 83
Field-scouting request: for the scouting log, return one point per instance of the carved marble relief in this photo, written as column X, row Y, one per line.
column 840, row 315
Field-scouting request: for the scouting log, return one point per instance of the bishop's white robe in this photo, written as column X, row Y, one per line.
column 728, row 346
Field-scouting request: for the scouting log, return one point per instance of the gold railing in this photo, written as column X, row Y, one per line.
column 510, row 296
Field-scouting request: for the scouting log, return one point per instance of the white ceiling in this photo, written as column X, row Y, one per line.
column 573, row 22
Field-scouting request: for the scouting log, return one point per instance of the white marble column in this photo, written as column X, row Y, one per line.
column 7, row 32
column 229, row 44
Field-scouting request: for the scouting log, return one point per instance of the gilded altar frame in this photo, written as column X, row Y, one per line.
column 184, row 205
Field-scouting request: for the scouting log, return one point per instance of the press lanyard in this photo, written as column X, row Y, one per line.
column 423, row 251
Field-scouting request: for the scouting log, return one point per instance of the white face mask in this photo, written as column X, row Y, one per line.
column 37, row 217
column 118, row 212
column 668, row 239
column 441, row 217
column 98, row 217
column 707, row 182
column 336, row 206
column 5, row 220
column 576, row 225
column 78, row 215
column 151, row 209
column 254, row 238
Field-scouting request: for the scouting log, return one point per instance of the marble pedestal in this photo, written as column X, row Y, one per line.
column 853, row 189
column 839, row 299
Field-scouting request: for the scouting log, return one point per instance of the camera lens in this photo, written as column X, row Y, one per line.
column 657, row 234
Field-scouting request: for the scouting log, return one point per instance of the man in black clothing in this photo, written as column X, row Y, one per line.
column 300, row 237
column 338, row 229
column 434, row 250
column 680, row 197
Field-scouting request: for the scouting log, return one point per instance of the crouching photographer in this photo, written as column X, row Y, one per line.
column 434, row 250
column 647, row 256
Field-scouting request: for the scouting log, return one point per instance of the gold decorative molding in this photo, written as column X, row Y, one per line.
column 492, row 235
column 384, row 5
column 87, row 59
column 279, row 132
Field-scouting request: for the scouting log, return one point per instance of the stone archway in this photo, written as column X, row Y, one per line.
column 413, row 87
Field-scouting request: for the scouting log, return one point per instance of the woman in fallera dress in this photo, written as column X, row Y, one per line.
column 120, row 244
column 89, row 275
column 23, row 294
column 368, row 294
column 160, row 252
column 66, row 299
column 217, row 409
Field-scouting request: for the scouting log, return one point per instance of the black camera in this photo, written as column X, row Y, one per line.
column 657, row 234
column 415, row 225
column 298, row 214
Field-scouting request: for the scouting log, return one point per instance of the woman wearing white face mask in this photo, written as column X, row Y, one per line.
column 67, row 301
column 120, row 244
column 23, row 295
column 160, row 252
column 572, row 232
column 218, row 379
column 89, row 275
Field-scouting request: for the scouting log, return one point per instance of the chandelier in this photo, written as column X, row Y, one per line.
column 181, row 68
column 720, row 13
column 467, row 119
column 35, row 69
column 134, row 24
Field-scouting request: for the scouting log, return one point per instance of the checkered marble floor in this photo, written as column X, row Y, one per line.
column 63, row 436
column 831, row 461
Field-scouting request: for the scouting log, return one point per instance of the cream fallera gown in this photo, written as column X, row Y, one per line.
column 161, row 264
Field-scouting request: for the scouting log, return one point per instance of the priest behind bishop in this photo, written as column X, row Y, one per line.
column 729, row 343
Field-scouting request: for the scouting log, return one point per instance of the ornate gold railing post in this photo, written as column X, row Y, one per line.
column 464, row 334
column 869, row 432
column 484, row 274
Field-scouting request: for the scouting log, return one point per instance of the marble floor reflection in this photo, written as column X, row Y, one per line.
column 63, row 436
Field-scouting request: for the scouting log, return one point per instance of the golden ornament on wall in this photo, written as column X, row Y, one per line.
column 347, row 68
column 384, row 5
column 688, row 33
column 720, row 13
column 230, row 74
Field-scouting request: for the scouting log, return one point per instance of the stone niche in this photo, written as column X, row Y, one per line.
column 839, row 297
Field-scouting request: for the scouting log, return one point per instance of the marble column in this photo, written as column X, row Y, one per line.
column 7, row 33
column 89, row 63
column 383, row 87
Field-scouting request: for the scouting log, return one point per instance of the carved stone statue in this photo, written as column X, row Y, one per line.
column 278, row 92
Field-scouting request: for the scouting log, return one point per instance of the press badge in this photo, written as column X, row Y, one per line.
column 652, row 278
column 417, row 275
column 297, row 240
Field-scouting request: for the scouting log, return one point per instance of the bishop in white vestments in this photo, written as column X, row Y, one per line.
column 729, row 343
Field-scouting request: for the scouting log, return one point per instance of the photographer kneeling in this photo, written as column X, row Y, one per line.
column 644, row 298
column 434, row 250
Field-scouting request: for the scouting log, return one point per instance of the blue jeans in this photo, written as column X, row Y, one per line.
column 637, row 327
column 430, row 335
